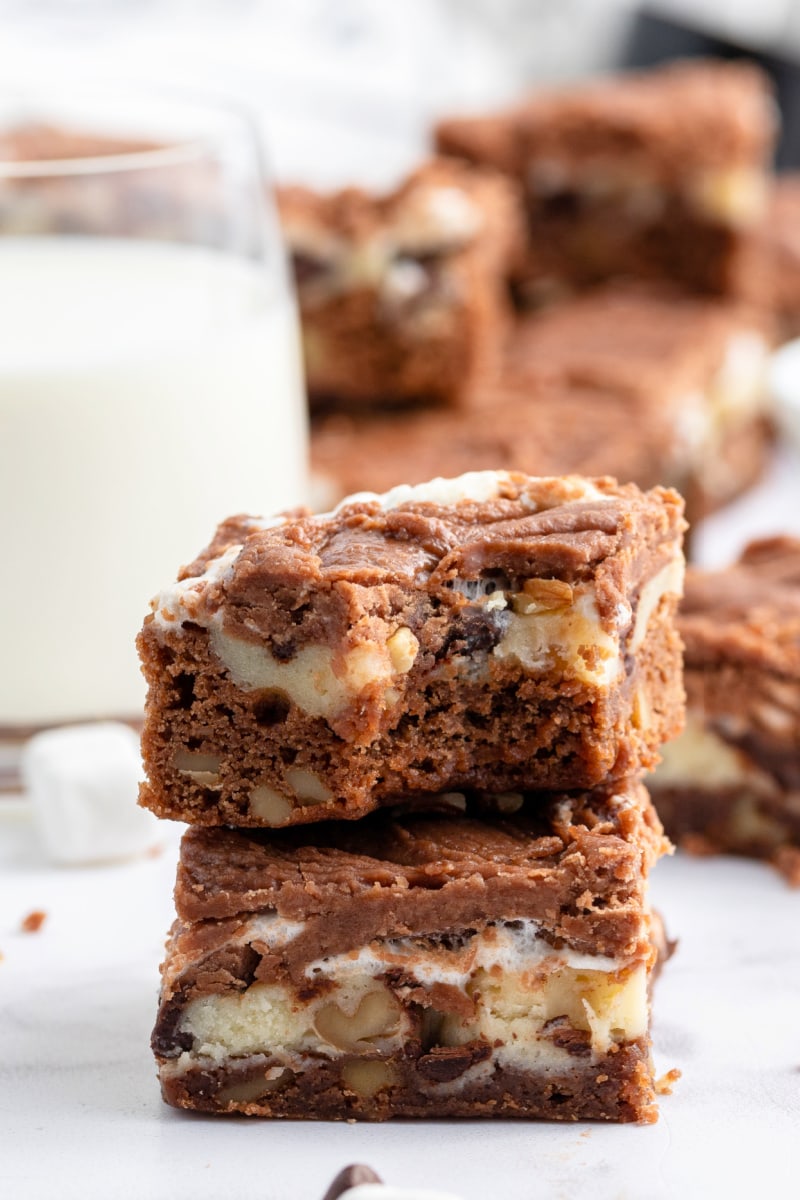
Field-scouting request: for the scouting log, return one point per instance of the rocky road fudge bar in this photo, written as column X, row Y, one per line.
column 655, row 174
column 732, row 780
column 402, row 296
column 417, row 964
column 494, row 631
column 693, row 372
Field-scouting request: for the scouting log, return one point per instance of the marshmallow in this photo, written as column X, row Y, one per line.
column 83, row 782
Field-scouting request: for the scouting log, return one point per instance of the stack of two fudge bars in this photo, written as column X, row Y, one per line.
column 408, row 737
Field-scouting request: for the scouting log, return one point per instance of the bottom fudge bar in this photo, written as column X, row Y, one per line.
column 471, row 961
column 731, row 781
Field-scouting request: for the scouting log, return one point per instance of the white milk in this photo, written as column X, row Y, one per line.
column 146, row 391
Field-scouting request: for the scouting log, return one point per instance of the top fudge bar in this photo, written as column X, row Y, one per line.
column 402, row 296
column 495, row 631
column 651, row 175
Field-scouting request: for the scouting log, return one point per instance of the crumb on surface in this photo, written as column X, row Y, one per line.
column 698, row 845
column 787, row 860
column 666, row 1082
column 34, row 921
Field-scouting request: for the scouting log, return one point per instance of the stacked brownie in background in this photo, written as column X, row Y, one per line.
column 409, row 737
column 641, row 274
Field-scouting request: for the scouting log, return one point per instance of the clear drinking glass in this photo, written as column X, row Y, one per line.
column 150, row 380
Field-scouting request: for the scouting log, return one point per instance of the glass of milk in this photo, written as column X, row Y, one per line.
column 150, row 380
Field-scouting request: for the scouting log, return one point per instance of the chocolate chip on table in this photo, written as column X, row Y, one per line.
column 350, row 1177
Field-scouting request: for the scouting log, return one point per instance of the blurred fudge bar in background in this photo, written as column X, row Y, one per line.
column 403, row 296
column 697, row 367
column 543, row 429
column 731, row 782
column 776, row 254
column 451, row 963
column 655, row 174
column 654, row 387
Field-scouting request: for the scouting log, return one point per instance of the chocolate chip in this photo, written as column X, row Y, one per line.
column 166, row 1040
column 445, row 1063
column 271, row 707
column 475, row 632
column 577, row 1042
column 308, row 269
column 284, row 651
column 350, row 1177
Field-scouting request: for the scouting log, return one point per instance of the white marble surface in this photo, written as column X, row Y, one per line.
column 81, row 1117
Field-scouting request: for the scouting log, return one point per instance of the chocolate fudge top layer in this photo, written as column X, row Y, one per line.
column 348, row 239
column 682, row 118
column 748, row 613
column 258, row 577
column 576, row 863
